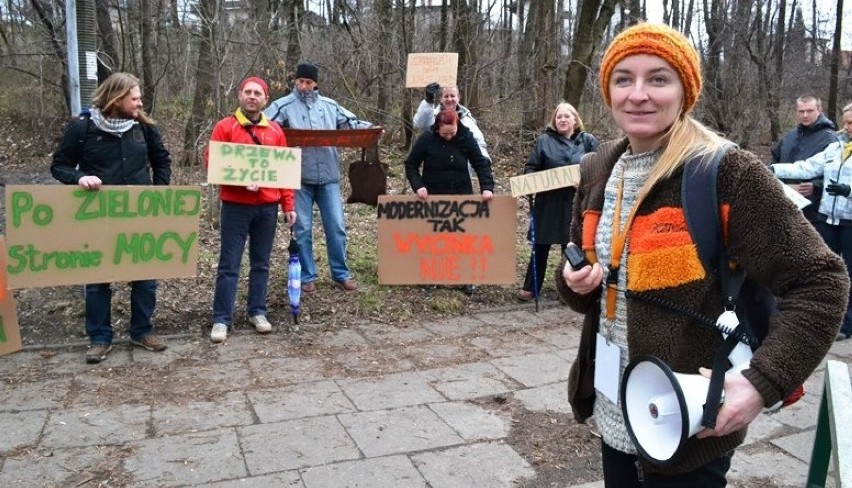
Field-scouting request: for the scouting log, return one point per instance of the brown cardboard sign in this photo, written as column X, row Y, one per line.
column 339, row 138
column 425, row 68
column 546, row 180
column 236, row 164
column 10, row 332
column 64, row 235
column 446, row 239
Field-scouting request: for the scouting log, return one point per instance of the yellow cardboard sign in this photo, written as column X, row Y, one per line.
column 546, row 180
column 447, row 239
column 425, row 68
column 10, row 332
column 64, row 235
column 236, row 164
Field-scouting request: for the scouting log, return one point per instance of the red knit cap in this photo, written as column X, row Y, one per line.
column 263, row 85
column 658, row 40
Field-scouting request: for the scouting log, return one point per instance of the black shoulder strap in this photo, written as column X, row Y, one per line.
column 81, row 133
column 250, row 132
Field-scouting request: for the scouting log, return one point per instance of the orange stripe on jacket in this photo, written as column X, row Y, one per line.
column 590, row 228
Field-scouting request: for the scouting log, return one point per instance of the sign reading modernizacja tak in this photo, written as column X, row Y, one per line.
column 64, row 235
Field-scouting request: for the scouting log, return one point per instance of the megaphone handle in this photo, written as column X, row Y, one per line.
column 715, row 391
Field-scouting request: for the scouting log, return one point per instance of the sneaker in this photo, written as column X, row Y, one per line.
column 347, row 284
column 309, row 287
column 525, row 295
column 219, row 333
column 469, row 289
column 842, row 336
column 97, row 353
column 260, row 323
column 150, row 342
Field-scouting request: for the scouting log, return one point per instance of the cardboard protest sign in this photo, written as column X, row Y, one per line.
column 425, row 68
column 10, row 332
column 236, row 164
column 340, row 138
column 550, row 179
column 446, row 239
column 64, row 235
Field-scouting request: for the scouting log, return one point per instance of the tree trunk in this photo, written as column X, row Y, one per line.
column 107, row 41
column 386, row 25
column 57, row 45
column 594, row 18
column 831, row 110
column 295, row 12
column 146, row 28
column 202, row 100
column 406, row 24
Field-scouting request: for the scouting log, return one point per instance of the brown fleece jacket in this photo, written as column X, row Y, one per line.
column 766, row 235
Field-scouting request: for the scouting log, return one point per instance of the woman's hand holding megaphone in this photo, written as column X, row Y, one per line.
column 742, row 405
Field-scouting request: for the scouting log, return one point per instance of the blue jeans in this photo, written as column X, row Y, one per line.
column 839, row 239
column 239, row 222
column 143, row 299
column 327, row 198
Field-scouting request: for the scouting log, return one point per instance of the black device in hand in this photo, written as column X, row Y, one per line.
column 836, row 188
column 432, row 90
column 575, row 256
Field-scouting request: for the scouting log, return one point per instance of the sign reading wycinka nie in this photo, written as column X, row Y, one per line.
column 235, row 164
column 64, row 235
column 446, row 239
column 546, row 180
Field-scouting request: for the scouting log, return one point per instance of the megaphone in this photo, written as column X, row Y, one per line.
column 662, row 409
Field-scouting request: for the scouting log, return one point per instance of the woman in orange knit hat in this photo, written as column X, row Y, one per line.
column 647, row 284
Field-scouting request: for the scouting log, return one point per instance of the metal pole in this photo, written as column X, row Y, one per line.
column 73, row 55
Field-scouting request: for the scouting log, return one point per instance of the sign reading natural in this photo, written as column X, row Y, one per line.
column 446, row 239
column 64, row 235
column 546, row 180
column 236, row 164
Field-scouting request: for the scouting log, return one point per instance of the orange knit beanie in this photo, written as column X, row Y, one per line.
column 658, row 40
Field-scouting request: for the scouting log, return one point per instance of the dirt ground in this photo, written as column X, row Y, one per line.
column 560, row 450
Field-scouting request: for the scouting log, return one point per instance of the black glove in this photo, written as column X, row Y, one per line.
column 838, row 189
column 431, row 90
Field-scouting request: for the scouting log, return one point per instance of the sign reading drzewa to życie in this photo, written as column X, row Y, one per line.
column 231, row 163
column 64, row 235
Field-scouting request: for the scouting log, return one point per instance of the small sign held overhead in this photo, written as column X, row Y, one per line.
column 425, row 68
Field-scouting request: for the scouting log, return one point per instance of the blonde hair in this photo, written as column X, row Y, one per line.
column 113, row 90
column 685, row 139
column 847, row 108
column 578, row 122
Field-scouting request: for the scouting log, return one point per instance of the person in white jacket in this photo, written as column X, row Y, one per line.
column 834, row 164
column 424, row 118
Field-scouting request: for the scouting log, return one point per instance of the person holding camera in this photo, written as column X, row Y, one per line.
column 647, row 281
column 834, row 216
column 436, row 99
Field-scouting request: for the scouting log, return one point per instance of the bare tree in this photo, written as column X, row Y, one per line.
column 833, row 80
column 594, row 19
column 202, row 101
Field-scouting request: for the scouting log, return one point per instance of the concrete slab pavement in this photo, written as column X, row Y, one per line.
column 365, row 406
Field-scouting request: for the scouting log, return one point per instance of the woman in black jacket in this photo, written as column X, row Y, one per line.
column 563, row 143
column 444, row 154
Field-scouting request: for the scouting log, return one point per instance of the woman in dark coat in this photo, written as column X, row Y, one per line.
column 444, row 154
column 563, row 143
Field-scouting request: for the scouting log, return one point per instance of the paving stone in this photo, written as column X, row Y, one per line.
column 340, row 338
column 383, row 472
column 394, row 390
column 567, row 354
column 472, row 422
column 455, row 327
column 468, row 381
column 245, row 345
column 507, row 320
column 228, row 411
column 491, row 464
column 766, row 468
column 74, row 361
column 436, row 355
column 763, row 428
column 286, row 370
column 55, row 468
column 398, row 431
column 373, row 363
column 297, row 401
column 513, row 343
column 177, row 349
column 799, row 445
column 801, row 414
column 295, row 444
column 534, row 369
column 96, row 425
column 212, row 377
column 287, row 479
column 559, row 337
column 20, row 429
column 593, row 484
column 547, row 398
column 377, row 333
column 42, row 395
column 10, row 364
column 187, row 459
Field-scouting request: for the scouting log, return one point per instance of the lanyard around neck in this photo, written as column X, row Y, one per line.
column 619, row 239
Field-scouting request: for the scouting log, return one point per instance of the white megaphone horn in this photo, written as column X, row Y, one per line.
column 662, row 409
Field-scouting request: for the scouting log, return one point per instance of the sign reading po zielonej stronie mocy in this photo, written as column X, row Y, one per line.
column 64, row 235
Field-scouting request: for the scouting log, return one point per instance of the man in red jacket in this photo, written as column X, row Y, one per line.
column 248, row 212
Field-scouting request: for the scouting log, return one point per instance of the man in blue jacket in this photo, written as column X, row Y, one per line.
column 813, row 134
column 305, row 108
